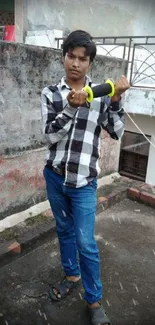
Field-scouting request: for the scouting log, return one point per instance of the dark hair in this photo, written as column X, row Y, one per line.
column 80, row 38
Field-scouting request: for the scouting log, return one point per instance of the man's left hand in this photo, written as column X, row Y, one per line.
column 121, row 86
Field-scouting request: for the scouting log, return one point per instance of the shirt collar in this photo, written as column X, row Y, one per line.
column 63, row 83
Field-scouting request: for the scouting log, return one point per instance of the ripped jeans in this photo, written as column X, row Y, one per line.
column 74, row 210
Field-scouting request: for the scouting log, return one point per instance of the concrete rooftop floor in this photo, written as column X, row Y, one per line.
column 126, row 238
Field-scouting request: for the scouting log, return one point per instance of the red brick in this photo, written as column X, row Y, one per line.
column 152, row 199
column 102, row 199
column 15, row 247
column 147, row 198
column 133, row 193
column 47, row 213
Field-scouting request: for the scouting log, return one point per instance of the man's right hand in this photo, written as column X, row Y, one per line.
column 77, row 98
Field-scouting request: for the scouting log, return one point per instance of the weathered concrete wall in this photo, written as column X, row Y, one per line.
column 140, row 101
column 100, row 18
column 21, row 181
column 24, row 71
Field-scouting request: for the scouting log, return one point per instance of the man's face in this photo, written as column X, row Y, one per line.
column 76, row 63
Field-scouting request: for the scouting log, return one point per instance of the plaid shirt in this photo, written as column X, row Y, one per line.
column 73, row 134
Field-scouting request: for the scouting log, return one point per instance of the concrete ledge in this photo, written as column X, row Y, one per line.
column 9, row 249
column 133, row 193
column 33, row 231
column 24, row 236
column 39, row 208
column 144, row 194
column 16, row 218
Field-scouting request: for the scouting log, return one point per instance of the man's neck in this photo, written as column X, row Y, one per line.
column 77, row 85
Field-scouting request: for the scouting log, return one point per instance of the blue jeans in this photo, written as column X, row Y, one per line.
column 74, row 210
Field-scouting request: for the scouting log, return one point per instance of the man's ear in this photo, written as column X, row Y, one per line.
column 63, row 59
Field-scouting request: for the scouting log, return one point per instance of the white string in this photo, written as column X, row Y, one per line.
column 139, row 129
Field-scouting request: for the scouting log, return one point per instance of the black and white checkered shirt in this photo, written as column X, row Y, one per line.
column 73, row 134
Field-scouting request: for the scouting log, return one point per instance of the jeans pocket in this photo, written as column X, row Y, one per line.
column 93, row 183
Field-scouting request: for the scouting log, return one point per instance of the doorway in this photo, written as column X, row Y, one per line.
column 7, row 15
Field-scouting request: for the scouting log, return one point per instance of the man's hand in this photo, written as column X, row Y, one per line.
column 77, row 98
column 121, row 86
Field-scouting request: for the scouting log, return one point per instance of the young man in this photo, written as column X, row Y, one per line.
column 72, row 128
